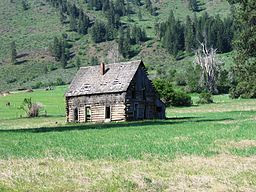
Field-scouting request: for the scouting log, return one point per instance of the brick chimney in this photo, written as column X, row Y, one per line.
column 102, row 68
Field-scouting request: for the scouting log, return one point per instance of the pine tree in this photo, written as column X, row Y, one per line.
column 189, row 35
column 63, row 59
column 121, row 41
column 62, row 17
column 25, row 5
column 193, row 5
column 140, row 15
column 94, row 61
column 149, row 6
column 13, row 53
column 78, row 62
column 245, row 59
column 73, row 23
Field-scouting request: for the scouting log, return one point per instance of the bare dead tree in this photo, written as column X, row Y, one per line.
column 210, row 66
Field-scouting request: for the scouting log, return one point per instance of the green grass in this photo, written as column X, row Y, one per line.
column 188, row 131
column 203, row 147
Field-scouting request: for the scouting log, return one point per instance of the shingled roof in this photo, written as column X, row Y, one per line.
column 117, row 78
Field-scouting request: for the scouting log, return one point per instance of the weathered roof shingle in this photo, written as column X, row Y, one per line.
column 89, row 80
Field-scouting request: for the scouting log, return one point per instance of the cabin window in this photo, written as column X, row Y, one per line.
column 159, row 109
column 87, row 113
column 107, row 112
column 133, row 94
column 75, row 114
column 144, row 94
column 135, row 111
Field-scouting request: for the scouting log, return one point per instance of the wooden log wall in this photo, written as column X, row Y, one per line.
column 97, row 104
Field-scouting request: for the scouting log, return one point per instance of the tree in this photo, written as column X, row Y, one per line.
column 13, row 53
column 78, row 62
column 210, row 67
column 124, row 42
column 140, row 15
column 244, row 44
column 73, row 23
column 189, row 35
column 193, row 5
column 94, row 61
column 149, row 6
column 169, row 95
column 62, row 17
column 25, row 5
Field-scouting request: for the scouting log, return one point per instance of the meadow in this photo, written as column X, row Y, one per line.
column 201, row 148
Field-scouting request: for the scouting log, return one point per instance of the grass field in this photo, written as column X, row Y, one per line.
column 199, row 148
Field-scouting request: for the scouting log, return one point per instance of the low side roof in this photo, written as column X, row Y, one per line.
column 117, row 78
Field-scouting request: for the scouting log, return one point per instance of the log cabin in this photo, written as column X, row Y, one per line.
column 113, row 92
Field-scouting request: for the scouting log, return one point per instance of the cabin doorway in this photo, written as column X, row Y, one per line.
column 136, row 111
column 107, row 112
column 87, row 114
column 76, row 115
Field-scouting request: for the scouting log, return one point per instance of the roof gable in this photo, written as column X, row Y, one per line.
column 89, row 81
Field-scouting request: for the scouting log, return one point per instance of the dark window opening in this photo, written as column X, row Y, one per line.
column 135, row 111
column 144, row 94
column 107, row 113
column 88, row 113
column 159, row 109
column 133, row 94
column 75, row 114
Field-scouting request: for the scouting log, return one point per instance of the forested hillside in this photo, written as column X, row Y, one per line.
column 44, row 42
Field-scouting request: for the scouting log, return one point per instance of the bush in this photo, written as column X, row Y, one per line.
column 169, row 95
column 38, row 85
column 205, row 98
column 243, row 90
column 59, row 81
column 181, row 99
column 31, row 109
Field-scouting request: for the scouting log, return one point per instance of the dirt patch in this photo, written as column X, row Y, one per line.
column 243, row 144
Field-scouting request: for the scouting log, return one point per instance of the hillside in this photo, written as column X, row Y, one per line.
column 35, row 28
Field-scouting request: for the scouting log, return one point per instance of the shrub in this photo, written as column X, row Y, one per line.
column 181, row 99
column 243, row 90
column 169, row 95
column 38, row 85
column 205, row 98
column 59, row 81
column 31, row 109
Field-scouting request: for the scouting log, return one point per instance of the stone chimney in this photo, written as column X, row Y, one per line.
column 102, row 68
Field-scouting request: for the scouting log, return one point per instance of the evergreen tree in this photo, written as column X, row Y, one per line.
column 83, row 23
column 63, row 59
column 13, row 53
column 94, row 61
column 45, row 69
column 78, row 62
column 62, row 17
column 120, row 7
column 106, row 5
column 25, row 5
column 189, row 35
column 245, row 59
column 73, row 23
column 140, row 15
column 193, row 5
column 149, row 6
